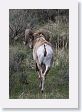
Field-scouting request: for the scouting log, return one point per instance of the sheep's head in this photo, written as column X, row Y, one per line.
column 30, row 36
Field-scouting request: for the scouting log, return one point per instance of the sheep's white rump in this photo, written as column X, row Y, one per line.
column 47, row 60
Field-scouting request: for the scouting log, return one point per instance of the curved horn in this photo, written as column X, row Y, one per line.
column 28, row 35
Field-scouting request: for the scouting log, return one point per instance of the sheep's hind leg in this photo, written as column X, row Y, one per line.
column 43, row 78
column 42, row 84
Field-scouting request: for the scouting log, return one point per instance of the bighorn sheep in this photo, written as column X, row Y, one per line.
column 42, row 54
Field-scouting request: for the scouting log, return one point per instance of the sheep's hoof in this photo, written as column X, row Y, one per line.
column 42, row 91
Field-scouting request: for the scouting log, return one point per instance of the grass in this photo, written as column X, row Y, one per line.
column 55, row 87
column 23, row 79
column 24, row 83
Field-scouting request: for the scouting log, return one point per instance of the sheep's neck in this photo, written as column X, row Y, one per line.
column 40, row 41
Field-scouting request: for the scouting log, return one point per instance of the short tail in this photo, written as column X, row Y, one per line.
column 45, row 52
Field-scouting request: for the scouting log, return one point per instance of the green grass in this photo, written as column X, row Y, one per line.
column 55, row 87
column 24, row 82
column 23, row 79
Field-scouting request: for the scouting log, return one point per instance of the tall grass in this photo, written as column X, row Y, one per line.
column 23, row 79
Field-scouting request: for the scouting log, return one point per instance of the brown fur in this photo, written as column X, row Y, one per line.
column 44, row 32
column 37, row 34
column 40, row 41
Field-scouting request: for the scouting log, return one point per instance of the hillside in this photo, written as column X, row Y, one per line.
column 23, row 79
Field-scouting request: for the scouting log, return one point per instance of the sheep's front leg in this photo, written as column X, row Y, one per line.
column 39, row 72
column 41, row 77
column 40, row 85
column 40, row 80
